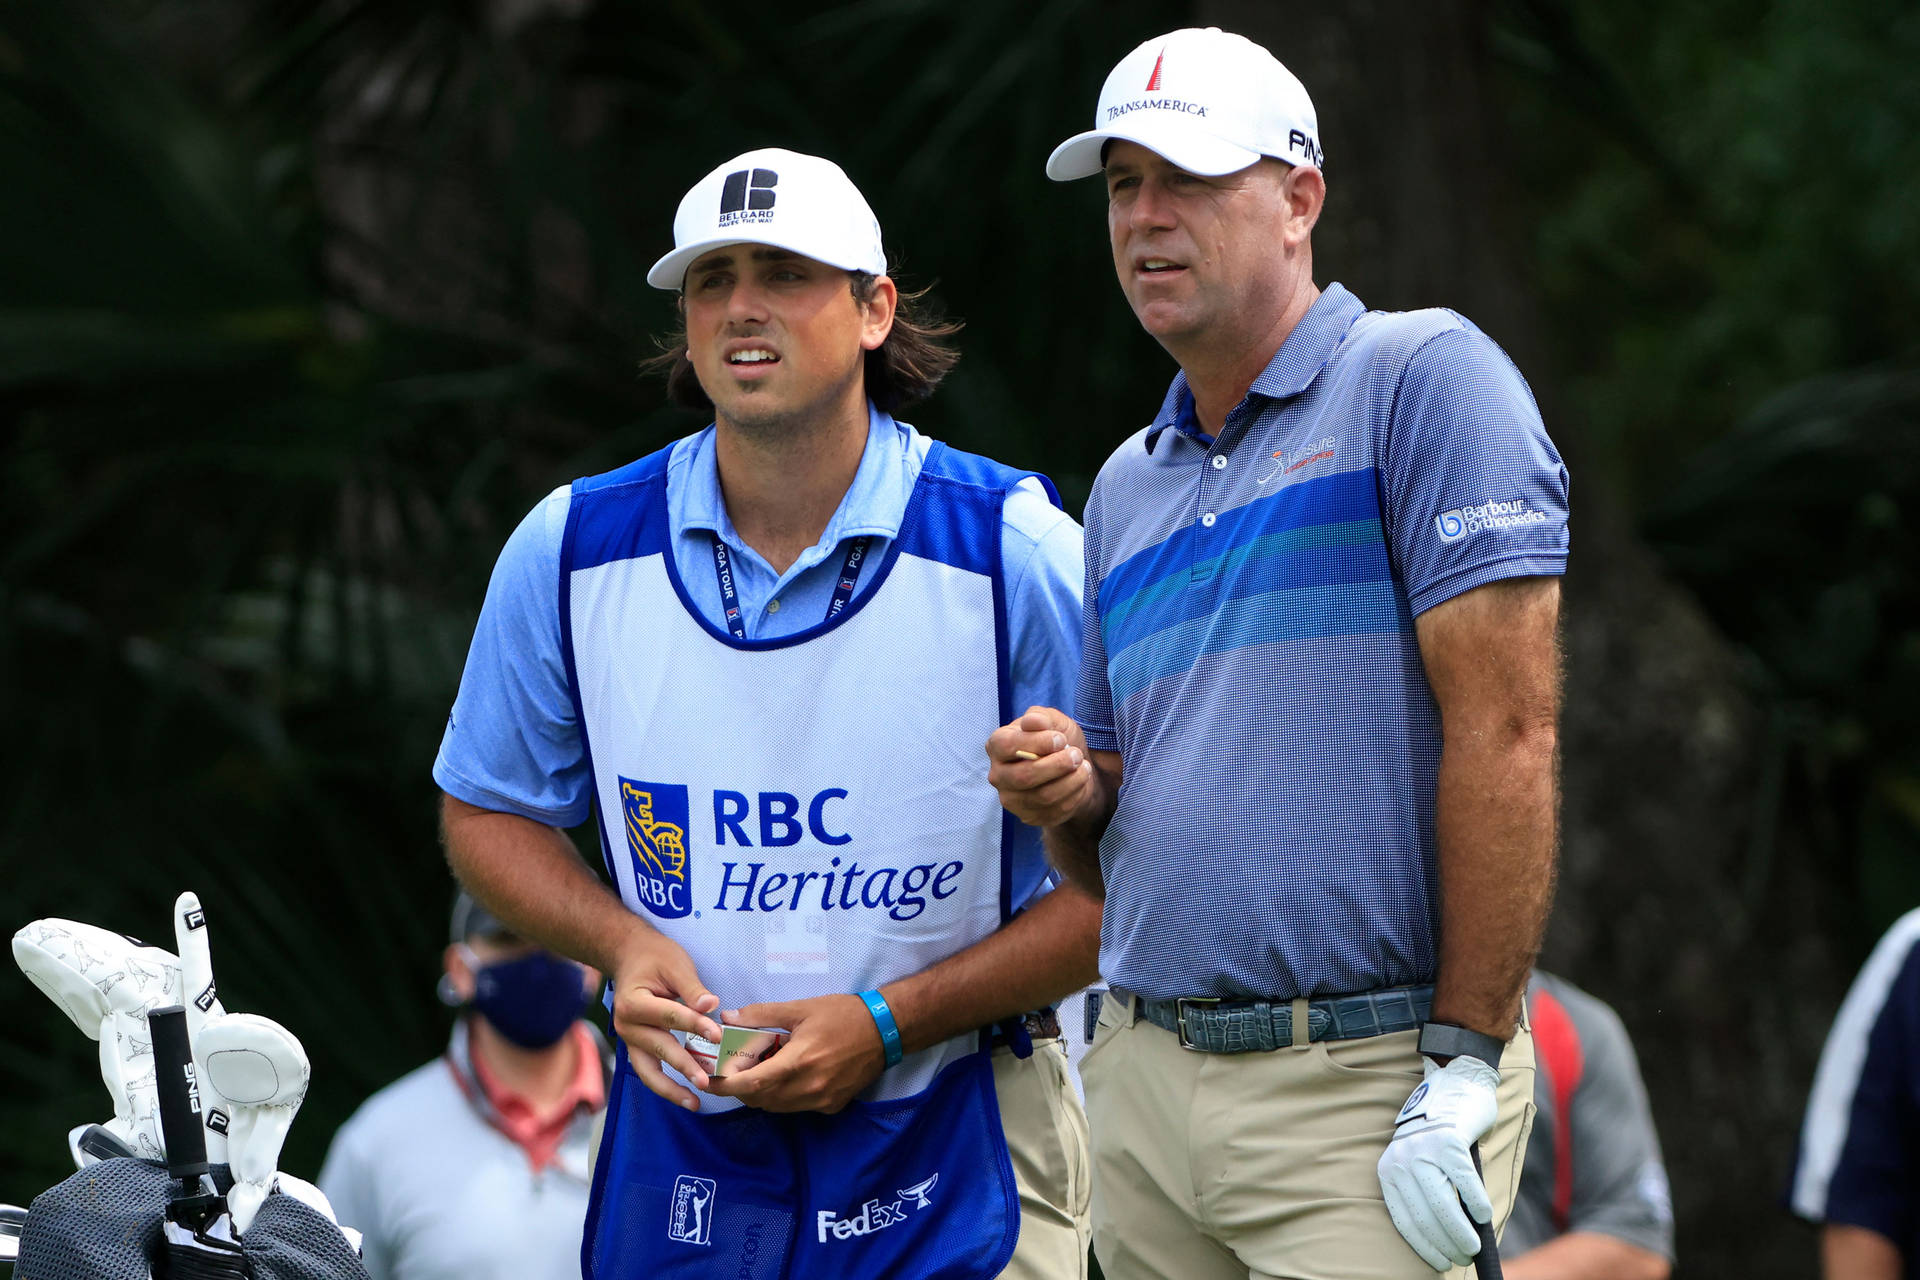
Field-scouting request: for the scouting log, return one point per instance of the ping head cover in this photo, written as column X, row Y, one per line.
column 261, row 1072
column 106, row 982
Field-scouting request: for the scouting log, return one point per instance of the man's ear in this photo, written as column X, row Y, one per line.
column 1305, row 191
column 880, row 307
column 459, row 981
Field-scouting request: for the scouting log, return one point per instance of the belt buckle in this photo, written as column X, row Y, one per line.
column 1180, row 1019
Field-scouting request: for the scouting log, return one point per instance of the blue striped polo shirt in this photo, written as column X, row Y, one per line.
column 1250, row 649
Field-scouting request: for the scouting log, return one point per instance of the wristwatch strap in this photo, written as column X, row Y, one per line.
column 1445, row 1040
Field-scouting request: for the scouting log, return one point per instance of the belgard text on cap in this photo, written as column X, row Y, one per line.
column 779, row 198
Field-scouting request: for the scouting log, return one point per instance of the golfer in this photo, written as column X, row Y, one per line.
column 763, row 658
column 1321, row 615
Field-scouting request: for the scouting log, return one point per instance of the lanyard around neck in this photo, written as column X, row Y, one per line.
column 730, row 597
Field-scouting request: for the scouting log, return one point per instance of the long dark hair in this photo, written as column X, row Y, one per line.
column 901, row 371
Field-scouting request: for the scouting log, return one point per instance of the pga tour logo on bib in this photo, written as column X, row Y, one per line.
column 690, row 1220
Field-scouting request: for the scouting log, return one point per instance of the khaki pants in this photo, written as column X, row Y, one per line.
column 1262, row 1165
column 1047, row 1138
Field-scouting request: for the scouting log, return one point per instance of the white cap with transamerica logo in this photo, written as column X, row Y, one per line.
column 1209, row 101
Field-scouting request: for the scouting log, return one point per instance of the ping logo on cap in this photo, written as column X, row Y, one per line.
column 747, row 196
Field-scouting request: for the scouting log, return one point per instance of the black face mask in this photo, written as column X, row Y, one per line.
column 531, row 1000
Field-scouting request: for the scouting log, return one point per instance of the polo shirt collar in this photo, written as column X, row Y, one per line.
column 1301, row 357
column 875, row 503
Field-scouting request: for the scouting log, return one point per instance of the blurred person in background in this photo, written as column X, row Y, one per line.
column 1858, row 1169
column 1594, row 1202
column 476, row 1165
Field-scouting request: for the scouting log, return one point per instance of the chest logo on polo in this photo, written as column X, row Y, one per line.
column 1288, row 461
column 656, row 815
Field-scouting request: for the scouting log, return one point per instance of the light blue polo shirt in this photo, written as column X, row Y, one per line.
column 1250, row 649
column 512, row 742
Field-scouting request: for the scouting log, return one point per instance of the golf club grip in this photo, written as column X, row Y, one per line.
column 178, row 1091
column 1486, row 1263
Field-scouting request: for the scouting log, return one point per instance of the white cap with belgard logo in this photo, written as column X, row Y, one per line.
column 1209, row 101
column 775, row 197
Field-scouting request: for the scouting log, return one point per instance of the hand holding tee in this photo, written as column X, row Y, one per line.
column 1039, row 765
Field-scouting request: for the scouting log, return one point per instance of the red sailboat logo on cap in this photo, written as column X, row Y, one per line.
column 1153, row 81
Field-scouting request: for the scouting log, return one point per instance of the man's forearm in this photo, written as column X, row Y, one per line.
column 1587, row 1255
column 1046, row 952
column 1496, row 826
column 530, row 876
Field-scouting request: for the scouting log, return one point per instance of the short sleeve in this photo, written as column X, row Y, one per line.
column 1476, row 492
column 1093, row 699
column 1619, row 1180
column 1858, row 1164
column 1041, row 547
column 512, row 742
column 1041, row 550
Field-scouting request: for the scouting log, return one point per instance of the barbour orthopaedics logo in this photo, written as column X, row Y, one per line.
column 747, row 196
column 656, row 816
column 690, row 1218
column 1463, row 522
column 874, row 1215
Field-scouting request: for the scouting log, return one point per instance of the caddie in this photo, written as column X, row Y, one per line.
column 1321, row 649
column 763, row 658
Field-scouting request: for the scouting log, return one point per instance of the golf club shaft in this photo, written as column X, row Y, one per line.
column 1486, row 1263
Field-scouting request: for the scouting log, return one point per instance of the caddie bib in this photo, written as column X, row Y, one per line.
column 805, row 815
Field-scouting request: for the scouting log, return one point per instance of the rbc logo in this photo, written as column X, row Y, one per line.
column 656, row 822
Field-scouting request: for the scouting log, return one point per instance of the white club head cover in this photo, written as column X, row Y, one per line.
column 316, row 1199
column 201, row 999
column 105, row 982
column 258, row 1067
column 13, row 1221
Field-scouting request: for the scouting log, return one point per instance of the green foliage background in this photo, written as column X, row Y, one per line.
column 303, row 304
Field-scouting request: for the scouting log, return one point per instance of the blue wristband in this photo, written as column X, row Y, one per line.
column 889, row 1029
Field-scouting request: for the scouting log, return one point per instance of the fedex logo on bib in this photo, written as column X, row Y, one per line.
column 656, row 817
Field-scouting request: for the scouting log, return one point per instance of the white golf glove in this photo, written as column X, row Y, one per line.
column 259, row 1069
column 1427, row 1171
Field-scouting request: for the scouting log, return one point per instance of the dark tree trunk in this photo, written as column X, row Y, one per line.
column 1674, row 903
